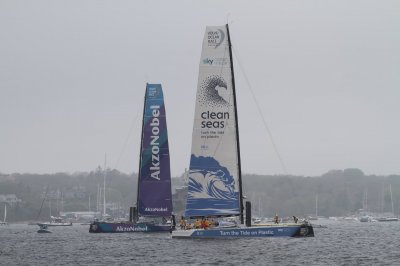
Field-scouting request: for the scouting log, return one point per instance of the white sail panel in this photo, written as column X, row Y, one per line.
column 213, row 173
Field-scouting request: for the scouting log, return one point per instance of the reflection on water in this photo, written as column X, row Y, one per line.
column 351, row 243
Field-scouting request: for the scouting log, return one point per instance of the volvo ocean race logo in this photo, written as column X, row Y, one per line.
column 153, row 92
column 154, row 143
column 215, row 38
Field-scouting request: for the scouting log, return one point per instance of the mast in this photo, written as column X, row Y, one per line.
column 140, row 151
column 104, row 185
column 237, row 128
column 316, row 206
column 62, row 201
column 58, row 210
column 98, row 198
column 391, row 198
column 383, row 198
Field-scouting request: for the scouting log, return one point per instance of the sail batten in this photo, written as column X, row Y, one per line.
column 213, row 188
column 154, row 182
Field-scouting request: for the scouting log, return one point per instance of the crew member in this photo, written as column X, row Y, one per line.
column 276, row 218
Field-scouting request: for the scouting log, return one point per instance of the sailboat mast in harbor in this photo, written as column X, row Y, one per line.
column 154, row 196
column 391, row 198
column 104, row 185
column 215, row 178
column 4, row 222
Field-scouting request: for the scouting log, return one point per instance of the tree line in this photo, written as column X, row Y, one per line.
column 335, row 193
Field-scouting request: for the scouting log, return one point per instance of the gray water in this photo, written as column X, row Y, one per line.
column 342, row 243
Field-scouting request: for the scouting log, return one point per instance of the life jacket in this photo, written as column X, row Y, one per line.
column 203, row 224
column 197, row 224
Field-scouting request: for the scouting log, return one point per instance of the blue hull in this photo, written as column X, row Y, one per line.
column 104, row 227
column 254, row 231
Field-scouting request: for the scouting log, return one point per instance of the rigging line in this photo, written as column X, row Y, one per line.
column 230, row 98
column 260, row 112
column 41, row 206
column 133, row 124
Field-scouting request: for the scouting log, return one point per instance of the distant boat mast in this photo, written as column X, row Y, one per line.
column 104, row 184
column 391, row 198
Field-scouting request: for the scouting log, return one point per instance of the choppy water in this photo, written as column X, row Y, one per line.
column 345, row 243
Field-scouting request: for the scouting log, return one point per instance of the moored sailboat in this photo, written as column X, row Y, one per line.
column 392, row 217
column 215, row 184
column 154, row 200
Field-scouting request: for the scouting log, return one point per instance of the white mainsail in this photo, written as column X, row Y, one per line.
column 214, row 165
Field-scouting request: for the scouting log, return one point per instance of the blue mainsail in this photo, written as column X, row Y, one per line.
column 154, row 191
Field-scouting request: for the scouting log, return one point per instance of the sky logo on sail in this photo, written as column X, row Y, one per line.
column 216, row 61
column 208, row 61
column 154, row 143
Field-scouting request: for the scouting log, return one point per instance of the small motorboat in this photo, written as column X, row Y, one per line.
column 43, row 229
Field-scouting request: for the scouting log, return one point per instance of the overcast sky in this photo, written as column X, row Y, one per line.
column 325, row 75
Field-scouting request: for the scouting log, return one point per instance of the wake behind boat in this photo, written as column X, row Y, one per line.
column 215, row 184
column 154, row 197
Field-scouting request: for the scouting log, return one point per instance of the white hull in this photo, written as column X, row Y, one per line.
column 56, row 224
